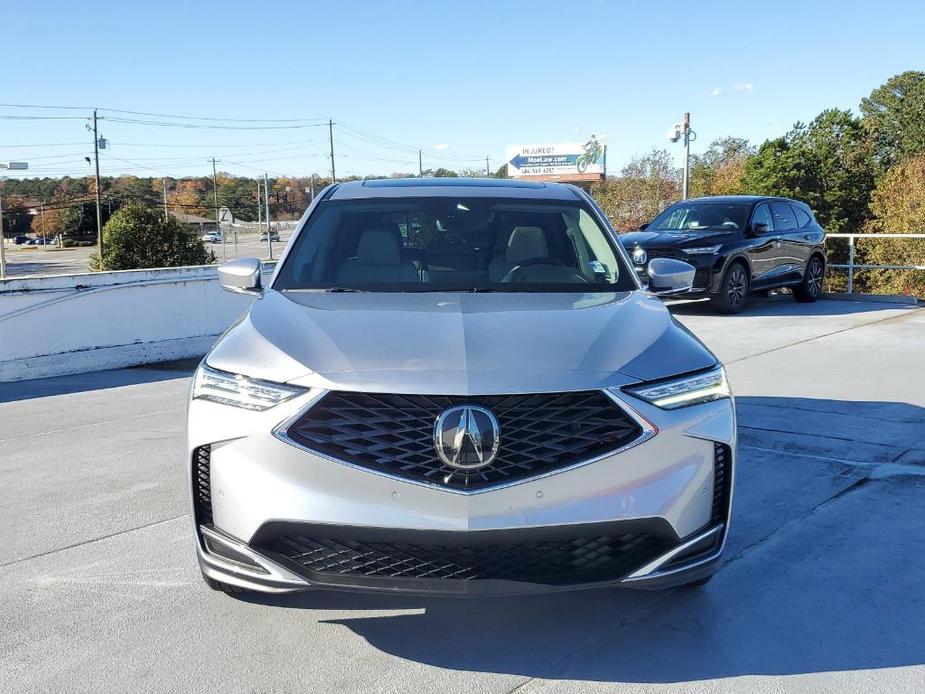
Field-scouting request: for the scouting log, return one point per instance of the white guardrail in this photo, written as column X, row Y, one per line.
column 65, row 324
column 851, row 266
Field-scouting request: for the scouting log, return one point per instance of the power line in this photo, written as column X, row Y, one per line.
column 201, row 126
column 165, row 115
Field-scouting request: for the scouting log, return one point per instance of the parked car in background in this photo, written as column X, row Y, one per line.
column 273, row 235
column 212, row 237
column 20, row 240
column 39, row 241
column 738, row 244
column 494, row 406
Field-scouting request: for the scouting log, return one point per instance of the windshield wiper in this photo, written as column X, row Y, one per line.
column 341, row 290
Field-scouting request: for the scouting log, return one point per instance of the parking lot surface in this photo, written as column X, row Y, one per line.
column 33, row 261
column 823, row 589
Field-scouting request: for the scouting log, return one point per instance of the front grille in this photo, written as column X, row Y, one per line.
column 553, row 561
column 202, row 487
column 663, row 253
column 394, row 434
column 722, row 479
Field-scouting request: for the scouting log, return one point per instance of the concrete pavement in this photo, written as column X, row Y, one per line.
column 35, row 261
column 822, row 590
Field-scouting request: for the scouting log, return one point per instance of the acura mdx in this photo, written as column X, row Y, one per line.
column 738, row 244
column 458, row 387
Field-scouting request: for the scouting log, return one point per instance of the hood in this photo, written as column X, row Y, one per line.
column 652, row 239
column 455, row 343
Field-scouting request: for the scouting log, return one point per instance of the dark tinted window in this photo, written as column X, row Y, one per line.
column 803, row 218
column 763, row 216
column 783, row 216
column 694, row 216
column 449, row 244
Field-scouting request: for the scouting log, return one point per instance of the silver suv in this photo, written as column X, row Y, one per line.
column 458, row 387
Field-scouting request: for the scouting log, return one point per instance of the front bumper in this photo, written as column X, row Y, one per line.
column 271, row 505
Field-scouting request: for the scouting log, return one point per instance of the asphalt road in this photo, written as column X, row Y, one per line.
column 822, row 590
column 33, row 261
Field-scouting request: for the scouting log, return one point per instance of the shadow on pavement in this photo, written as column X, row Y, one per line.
column 96, row 380
column 820, row 576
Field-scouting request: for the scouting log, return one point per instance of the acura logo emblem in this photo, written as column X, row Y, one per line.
column 467, row 437
column 640, row 256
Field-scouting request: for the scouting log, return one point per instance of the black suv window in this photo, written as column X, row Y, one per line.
column 783, row 216
column 762, row 215
column 803, row 218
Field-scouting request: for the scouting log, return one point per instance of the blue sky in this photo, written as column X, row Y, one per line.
column 460, row 80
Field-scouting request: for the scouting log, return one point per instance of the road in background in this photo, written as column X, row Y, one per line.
column 821, row 589
column 35, row 261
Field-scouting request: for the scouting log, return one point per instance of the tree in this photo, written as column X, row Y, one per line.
column 719, row 170
column 501, row 172
column 894, row 117
column 140, row 237
column 898, row 207
column 827, row 164
column 645, row 187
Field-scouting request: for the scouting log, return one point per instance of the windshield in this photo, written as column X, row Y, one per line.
column 453, row 244
column 693, row 216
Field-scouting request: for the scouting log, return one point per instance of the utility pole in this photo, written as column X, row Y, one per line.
column 331, row 137
column 44, row 235
column 312, row 184
column 487, row 169
column 259, row 207
column 165, row 199
column 266, row 199
column 420, row 164
column 215, row 201
column 99, row 214
column 687, row 154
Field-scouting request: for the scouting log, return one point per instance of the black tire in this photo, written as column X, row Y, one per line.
column 811, row 287
column 223, row 587
column 733, row 290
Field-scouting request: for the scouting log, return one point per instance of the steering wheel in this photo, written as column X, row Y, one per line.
column 554, row 262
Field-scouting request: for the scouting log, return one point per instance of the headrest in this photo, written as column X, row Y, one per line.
column 526, row 243
column 378, row 246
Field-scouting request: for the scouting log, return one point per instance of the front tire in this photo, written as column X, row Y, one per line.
column 733, row 290
column 223, row 587
column 811, row 287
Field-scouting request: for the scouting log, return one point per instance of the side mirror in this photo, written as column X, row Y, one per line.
column 241, row 276
column 759, row 228
column 668, row 276
column 643, row 227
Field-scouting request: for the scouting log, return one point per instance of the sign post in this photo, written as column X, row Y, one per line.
column 225, row 219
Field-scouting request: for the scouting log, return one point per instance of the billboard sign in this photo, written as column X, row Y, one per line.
column 562, row 161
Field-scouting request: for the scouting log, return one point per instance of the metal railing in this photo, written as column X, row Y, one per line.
column 852, row 266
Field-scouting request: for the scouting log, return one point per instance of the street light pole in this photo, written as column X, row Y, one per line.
column 686, row 126
column 218, row 224
column 14, row 166
column 99, row 213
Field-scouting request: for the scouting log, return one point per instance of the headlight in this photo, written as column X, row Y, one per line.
column 685, row 391
column 702, row 250
column 240, row 391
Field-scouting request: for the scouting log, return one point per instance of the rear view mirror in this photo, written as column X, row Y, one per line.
column 668, row 276
column 643, row 227
column 241, row 276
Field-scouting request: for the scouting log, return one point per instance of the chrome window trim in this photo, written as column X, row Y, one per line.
column 648, row 431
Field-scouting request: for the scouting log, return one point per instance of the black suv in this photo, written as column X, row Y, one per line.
column 738, row 244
